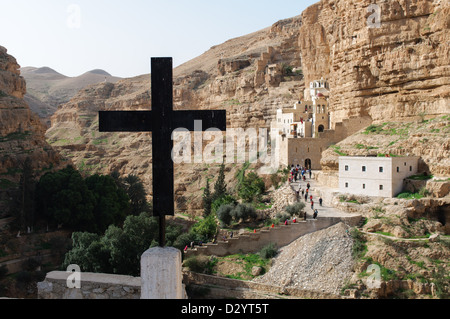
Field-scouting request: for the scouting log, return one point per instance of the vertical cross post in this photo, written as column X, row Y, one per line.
column 162, row 120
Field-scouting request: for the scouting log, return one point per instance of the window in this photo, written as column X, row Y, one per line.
column 381, row 169
column 410, row 168
column 364, row 186
column 398, row 169
column 346, row 185
column 363, row 168
column 381, row 187
column 346, row 168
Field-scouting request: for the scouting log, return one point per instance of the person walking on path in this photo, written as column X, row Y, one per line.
column 312, row 204
column 310, row 173
column 320, row 201
column 316, row 212
column 306, row 197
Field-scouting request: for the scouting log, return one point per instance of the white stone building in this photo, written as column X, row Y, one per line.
column 375, row 176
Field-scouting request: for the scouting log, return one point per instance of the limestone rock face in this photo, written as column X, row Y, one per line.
column 21, row 133
column 397, row 70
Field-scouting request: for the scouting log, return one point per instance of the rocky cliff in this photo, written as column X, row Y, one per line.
column 396, row 69
column 21, row 133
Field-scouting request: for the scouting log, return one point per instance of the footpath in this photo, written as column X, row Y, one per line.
column 318, row 191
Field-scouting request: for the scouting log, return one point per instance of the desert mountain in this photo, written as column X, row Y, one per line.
column 47, row 88
column 397, row 72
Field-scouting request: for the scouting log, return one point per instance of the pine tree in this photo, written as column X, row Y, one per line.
column 207, row 200
column 220, row 188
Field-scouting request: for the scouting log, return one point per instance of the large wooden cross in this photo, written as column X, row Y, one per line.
column 162, row 120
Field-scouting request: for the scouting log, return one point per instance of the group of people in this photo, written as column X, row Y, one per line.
column 305, row 192
column 299, row 173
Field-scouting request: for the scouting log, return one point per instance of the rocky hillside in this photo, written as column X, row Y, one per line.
column 395, row 71
column 47, row 89
column 21, row 133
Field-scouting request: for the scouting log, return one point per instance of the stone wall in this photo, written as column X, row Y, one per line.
column 93, row 286
column 281, row 235
column 219, row 287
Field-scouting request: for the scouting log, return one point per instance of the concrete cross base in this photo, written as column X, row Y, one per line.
column 161, row 274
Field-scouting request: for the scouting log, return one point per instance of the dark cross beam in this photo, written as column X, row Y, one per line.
column 162, row 120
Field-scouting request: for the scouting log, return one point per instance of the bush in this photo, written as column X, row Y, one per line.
column 295, row 209
column 223, row 200
column 282, row 216
column 243, row 212
column 269, row 251
column 200, row 264
column 224, row 214
column 237, row 213
column 251, row 188
column 205, row 229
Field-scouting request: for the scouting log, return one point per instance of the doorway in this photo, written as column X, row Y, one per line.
column 308, row 164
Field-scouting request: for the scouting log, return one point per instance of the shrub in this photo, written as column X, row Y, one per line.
column 201, row 264
column 244, row 212
column 269, row 251
column 251, row 188
column 224, row 214
column 221, row 201
column 282, row 216
column 359, row 244
column 231, row 212
column 295, row 209
column 205, row 229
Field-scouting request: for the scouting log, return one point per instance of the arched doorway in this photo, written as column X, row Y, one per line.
column 308, row 164
column 321, row 128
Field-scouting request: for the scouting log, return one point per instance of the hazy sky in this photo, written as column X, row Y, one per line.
column 120, row 37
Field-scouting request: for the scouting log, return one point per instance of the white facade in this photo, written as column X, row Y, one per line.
column 375, row 176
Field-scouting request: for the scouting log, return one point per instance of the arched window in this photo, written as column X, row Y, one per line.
column 321, row 128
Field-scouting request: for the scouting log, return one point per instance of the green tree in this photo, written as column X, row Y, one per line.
column 137, row 194
column 205, row 230
column 251, row 188
column 63, row 198
column 223, row 200
column 220, row 187
column 111, row 202
column 207, row 200
column 119, row 250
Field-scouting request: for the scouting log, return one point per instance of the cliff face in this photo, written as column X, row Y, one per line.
column 397, row 70
column 21, row 133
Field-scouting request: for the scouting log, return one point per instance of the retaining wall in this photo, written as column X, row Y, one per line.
column 281, row 235
column 93, row 286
